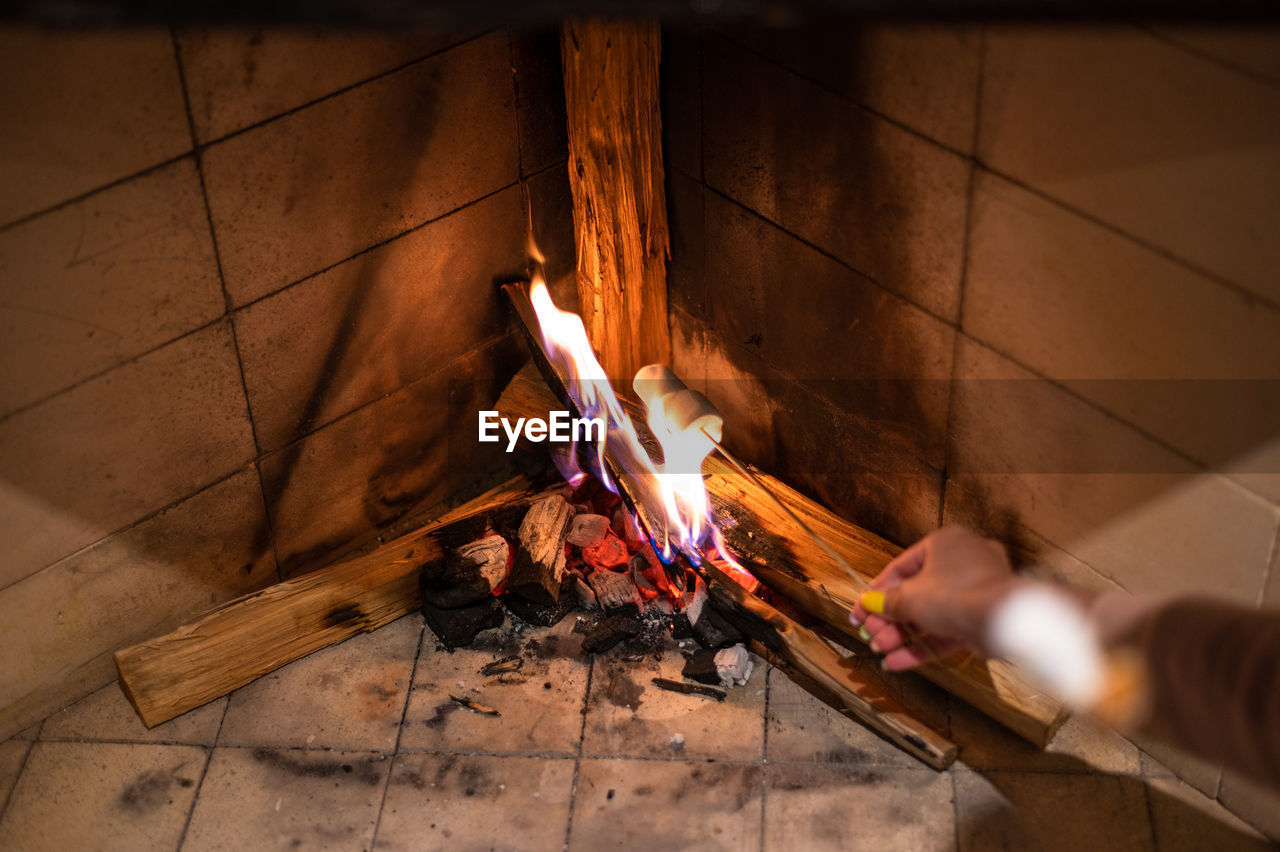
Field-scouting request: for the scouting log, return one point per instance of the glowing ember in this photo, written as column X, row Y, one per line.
column 679, row 479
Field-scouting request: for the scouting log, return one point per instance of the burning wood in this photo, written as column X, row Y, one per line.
column 587, row 530
column 475, row 706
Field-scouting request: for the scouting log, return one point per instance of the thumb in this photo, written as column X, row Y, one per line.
column 886, row 602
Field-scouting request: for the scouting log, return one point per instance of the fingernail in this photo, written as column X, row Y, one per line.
column 866, row 637
column 873, row 602
column 884, row 665
column 854, row 620
column 875, row 647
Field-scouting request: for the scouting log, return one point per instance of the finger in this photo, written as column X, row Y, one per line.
column 906, row 563
column 904, row 659
column 910, row 655
column 888, row 639
column 873, row 625
column 857, row 615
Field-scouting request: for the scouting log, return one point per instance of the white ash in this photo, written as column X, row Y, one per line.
column 613, row 590
column 586, row 597
column 587, row 530
column 677, row 742
column 489, row 554
column 696, row 599
column 734, row 666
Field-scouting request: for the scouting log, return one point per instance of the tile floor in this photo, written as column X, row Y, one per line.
column 360, row 746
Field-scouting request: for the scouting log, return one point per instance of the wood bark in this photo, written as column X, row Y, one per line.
column 782, row 555
column 250, row 636
column 616, row 177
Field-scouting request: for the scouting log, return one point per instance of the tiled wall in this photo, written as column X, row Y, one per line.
column 248, row 294
column 1018, row 277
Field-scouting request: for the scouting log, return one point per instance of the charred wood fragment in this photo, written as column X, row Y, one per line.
column 688, row 688
column 540, row 561
column 457, row 628
column 468, row 574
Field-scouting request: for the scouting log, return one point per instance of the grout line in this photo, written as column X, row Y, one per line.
column 1145, row 784
column 955, row 809
column 964, row 280
column 204, row 773
column 843, row 98
column 1272, row 563
column 197, row 147
column 1205, row 56
column 133, row 524
column 228, row 304
column 239, row 308
column 764, row 756
column 1251, row 298
column 22, row 768
column 577, row 759
column 1108, row 226
column 395, row 751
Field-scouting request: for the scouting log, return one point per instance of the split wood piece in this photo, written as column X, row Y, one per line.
column 616, row 177
column 816, row 660
column 540, row 561
column 785, row 558
column 783, row 555
column 250, row 636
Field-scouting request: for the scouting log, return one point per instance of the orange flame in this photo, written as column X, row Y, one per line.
column 679, row 479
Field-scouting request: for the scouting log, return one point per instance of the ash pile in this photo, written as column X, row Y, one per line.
column 578, row 549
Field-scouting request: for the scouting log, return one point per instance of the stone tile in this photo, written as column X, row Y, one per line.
column 541, row 704
column 688, row 349
column 876, row 357
column 1185, row 819
column 100, row 456
column 1250, row 48
column 804, row 729
column 1029, row 552
column 313, row 188
column 1099, row 490
column 686, row 272
column 90, row 108
column 1160, row 760
column 286, row 799
column 837, row 459
column 411, row 449
column 95, row 283
column 1079, row 746
column 1139, row 133
column 856, row 807
column 13, row 754
column 377, row 322
column 347, row 696
column 107, row 715
column 681, row 74
column 540, row 110
column 102, row 796
column 1251, row 802
column 662, row 804
column 62, row 624
column 236, row 78
column 627, row 716
column 551, row 210
column 1074, row 301
column 876, row 197
column 922, row 75
column 1049, row 811
column 476, row 802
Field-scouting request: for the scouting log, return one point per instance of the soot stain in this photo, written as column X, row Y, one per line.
column 623, row 691
column 343, row 614
column 364, row 770
column 150, row 789
column 441, row 713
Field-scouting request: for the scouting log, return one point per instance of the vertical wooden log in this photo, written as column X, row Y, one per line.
column 619, row 203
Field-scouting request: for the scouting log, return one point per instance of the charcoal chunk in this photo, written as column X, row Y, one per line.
column 457, row 628
column 610, row 631
column 701, row 666
column 714, row 632
column 541, row 614
column 469, row 575
column 587, row 530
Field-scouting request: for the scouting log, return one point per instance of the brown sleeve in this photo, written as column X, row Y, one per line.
column 1215, row 677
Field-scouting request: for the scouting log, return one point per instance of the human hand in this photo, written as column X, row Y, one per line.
column 946, row 585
